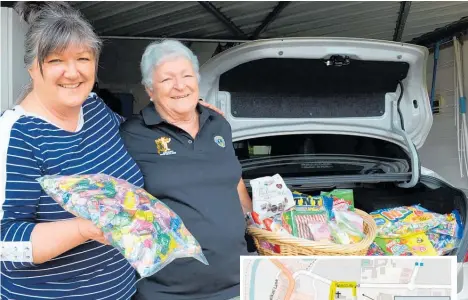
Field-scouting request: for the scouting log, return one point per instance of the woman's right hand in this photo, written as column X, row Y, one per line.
column 90, row 232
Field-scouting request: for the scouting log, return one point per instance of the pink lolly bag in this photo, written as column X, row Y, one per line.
column 147, row 232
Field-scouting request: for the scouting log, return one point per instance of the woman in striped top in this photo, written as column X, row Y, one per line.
column 58, row 128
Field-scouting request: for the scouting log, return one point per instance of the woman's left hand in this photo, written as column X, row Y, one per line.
column 211, row 107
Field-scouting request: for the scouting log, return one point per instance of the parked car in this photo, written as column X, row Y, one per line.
column 330, row 113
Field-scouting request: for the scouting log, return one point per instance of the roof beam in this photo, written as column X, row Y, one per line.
column 441, row 34
column 269, row 19
column 81, row 5
column 115, row 11
column 223, row 18
column 152, row 14
column 10, row 4
column 401, row 21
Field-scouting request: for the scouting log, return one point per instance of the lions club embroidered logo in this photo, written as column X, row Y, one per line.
column 162, row 146
column 220, row 141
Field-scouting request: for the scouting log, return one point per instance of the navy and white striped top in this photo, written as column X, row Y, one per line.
column 31, row 147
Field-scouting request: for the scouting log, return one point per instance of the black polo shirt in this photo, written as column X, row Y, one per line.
column 198, row 179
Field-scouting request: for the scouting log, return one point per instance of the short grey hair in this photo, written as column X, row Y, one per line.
column 160, row 51
column 53, row 26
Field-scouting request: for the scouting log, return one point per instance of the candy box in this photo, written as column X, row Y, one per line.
column 270, row 196
column 147, row 232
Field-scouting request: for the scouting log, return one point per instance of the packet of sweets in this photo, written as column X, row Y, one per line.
column 393, row 247
column 418, row 244
column 404, row 220
column 352, row 224
column 274, row 226
column 343, row 198
column 270, row 196
column 270, row 246
column 253, row 219
column 443, row 243
column 350, row 220
column 146, row 231
column 320, row 231
column 307, row 202
column 331, row 205
column 297, row 222
column 450, row 224
column 286, row 220
column 339, row 235
column 374, row 250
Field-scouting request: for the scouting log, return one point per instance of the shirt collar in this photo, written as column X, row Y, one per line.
column 151, row 116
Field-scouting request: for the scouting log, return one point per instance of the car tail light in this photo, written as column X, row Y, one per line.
column 466, row 257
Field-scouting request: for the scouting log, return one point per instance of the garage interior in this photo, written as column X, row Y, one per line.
column 422, row 23
column 209, row 28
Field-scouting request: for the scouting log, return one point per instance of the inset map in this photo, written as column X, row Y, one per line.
column 348, row 278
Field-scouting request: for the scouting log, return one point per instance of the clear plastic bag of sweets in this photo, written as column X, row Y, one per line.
column 147, row 232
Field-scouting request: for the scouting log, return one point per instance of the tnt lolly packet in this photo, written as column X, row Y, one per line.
column 307, row 202
column 147, row 232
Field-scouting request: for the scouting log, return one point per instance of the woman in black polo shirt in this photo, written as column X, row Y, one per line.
column 185, row 153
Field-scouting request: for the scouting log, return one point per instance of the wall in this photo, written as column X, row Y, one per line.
column 440, row 152
column 13, row 74
column 4, row 53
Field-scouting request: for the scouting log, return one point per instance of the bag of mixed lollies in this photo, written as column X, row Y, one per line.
column 147, row 232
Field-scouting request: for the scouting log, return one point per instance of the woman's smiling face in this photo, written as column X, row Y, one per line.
column 67, row 77
column 175, row 86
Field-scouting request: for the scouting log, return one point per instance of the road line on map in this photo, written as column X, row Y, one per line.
column 415, row 272
column 287, row 272
column 403, row 286
column 313, row 275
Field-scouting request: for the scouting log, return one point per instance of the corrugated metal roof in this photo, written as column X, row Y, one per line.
column 178, row 19
column 246, row 15
column 349, row 19
column 425, row 16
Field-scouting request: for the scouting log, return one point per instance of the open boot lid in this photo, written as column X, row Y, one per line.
column 357, row 87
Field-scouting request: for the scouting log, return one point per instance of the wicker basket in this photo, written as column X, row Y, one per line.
column 296, row 246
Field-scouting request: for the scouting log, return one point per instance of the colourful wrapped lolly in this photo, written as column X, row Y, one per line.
column 147, row 232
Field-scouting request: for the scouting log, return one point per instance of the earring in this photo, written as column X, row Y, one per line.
column 151, row 99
